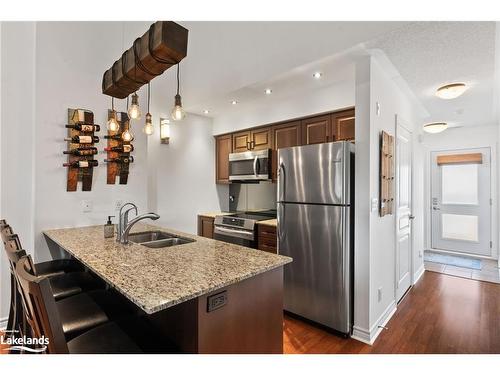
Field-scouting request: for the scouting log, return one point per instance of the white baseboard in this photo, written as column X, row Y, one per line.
column 3, row 323
column 369, row 337
column 418, row 274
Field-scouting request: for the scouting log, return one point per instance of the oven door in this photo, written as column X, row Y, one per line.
column 250, row 166
column 236, row 236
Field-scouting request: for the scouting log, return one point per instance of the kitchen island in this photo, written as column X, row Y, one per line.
column 207, row 296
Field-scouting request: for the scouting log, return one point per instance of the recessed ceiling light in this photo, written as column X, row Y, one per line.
column 317, row 75
column 206, row 111
column 451, row 91
column 268, row 91
column 435, row 127
column 233, row 102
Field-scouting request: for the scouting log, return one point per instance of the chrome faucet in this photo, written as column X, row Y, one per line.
column 135, row 220
column 123, row 219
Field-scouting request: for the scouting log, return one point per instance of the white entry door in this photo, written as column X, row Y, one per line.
column 403, row 210
column 461, row 201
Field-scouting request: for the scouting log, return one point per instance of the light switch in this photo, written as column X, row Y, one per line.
column 374, row 204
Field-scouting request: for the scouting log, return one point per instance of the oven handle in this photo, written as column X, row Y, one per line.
column 234, row 233
column 255, row 161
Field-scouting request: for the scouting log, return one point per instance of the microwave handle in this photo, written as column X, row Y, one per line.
column 255, row 161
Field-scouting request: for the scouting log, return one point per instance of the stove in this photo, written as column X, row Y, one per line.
column 241, row 227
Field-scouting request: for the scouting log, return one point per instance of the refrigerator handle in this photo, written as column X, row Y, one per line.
column 281, row 227
column 281, row 182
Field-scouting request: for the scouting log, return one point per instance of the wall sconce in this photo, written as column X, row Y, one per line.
column 164, row 131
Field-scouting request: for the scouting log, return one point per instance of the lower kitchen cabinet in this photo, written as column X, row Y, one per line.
column 206, row 226
column 267, row 238
column 223, row 147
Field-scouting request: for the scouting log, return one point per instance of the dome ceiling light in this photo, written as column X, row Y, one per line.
column 451, row 91
column 435, row 127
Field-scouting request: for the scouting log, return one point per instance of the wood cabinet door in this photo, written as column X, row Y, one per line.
column 261, row 139
column 316, row 130
column 241, row 141
column 343, row 125
column 206, row 226
column 284, row 135
column 223, row 148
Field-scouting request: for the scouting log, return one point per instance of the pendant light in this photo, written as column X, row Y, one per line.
column 134, row 112
column 148, row 125
column 112, row 123
column 178, row 112
column 127, row 135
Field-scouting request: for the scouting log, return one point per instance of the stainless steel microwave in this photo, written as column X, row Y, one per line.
column 250, row 166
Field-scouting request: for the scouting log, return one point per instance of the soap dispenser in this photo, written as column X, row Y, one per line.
column 109, row 228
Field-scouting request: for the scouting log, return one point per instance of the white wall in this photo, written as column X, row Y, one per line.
column 269, row 110
column 374, row 235
column 455, row 139
column 183, row 173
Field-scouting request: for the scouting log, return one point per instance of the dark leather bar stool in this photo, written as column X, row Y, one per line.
column 48, row 318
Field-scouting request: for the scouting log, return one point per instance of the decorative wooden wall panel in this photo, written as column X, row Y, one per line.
column 474, row 158
column 82, row 117
column 118, row 161
column 386, row 174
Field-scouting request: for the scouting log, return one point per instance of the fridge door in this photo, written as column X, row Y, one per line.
column 315, row 173
column 317, row 282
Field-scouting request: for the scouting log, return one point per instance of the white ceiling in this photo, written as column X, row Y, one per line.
column 238, row 60
column 430, row 54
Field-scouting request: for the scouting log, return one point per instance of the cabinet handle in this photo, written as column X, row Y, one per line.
column 249, row 147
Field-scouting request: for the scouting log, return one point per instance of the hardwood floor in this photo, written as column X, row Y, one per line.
column 441, row 314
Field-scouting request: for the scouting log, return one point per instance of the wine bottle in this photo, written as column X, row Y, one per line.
column 82, row 164
column 82, row 151
column 83, row 139
column 124, row 148
column 86, row 128
column 116, row 137
column 125, row 160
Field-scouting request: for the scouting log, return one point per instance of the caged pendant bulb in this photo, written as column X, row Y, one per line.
column 148, row 128
column 134, row 112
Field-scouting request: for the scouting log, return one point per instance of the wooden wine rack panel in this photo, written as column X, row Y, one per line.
column 386, row 174
column 79, row 116
column 116, row 169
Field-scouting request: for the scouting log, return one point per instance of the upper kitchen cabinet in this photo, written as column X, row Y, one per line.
column 223, row 147
column 284, row 135
column 317, row 130
column 258, row 139
column 343, row 125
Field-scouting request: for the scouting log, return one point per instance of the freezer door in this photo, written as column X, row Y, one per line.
column 315, row 173
column 317, row 282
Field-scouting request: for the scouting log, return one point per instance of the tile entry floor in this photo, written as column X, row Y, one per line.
column 489, row 271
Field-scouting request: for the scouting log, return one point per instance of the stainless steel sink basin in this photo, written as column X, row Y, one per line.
column 158, row 239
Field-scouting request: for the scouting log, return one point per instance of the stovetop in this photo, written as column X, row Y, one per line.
column 257, row 216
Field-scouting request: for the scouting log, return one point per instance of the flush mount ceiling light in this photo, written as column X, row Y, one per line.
column 317, row 75
column 206, row 111
column 451, row 90
column 233, row 102
column 435, row 127
column 268, row 91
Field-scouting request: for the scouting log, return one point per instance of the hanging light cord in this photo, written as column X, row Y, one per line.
column 178, row 78
column 149, row 94
column 112, row 104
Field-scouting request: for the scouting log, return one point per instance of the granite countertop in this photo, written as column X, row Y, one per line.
column 155, row 279
column 214, row 214
column 270, row 222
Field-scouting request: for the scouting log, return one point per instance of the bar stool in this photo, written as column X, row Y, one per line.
column 46, row 318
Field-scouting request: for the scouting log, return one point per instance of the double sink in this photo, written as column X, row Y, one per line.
column 157, row 239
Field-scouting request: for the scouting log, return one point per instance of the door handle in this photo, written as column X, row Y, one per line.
column 436, row 208
column 411, row 217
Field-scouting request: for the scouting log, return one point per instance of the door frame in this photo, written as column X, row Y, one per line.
column 401, row 123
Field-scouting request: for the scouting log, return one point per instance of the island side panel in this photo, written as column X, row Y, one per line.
column 251, row 321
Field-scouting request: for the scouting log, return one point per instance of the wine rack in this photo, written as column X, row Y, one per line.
column 118, row 162
column 81, row 161
column 386, row 174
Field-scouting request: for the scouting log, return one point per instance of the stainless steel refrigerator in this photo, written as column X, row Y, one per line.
column 315, row 228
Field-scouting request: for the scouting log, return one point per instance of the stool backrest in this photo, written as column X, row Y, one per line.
column 40, row 306
column 5, row 230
